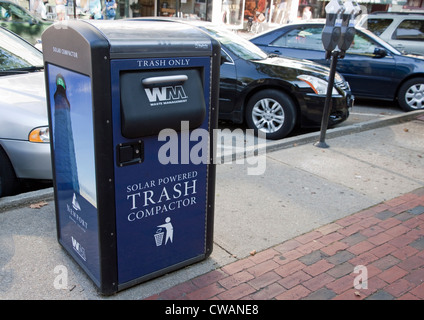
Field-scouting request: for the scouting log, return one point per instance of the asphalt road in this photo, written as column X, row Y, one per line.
column 365, row 110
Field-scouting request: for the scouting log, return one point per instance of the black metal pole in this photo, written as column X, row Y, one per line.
column 327, row 105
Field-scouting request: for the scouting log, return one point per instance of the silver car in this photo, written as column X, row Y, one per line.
column 403, row 30
column 24, row 131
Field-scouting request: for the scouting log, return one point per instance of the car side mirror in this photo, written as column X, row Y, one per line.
column 380, row 53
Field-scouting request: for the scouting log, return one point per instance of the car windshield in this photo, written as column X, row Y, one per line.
column 238, row 45
column 380, row 41
column 16, row 55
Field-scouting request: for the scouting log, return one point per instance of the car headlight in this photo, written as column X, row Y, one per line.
column 318, row 85
column 41, row 134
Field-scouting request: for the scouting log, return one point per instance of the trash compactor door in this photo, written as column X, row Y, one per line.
column 162, row 168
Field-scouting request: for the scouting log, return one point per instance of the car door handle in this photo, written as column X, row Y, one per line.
column 277, row 51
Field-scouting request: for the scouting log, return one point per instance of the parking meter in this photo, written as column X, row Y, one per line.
column 347, row 26
column 332, row 29
column 331, row 37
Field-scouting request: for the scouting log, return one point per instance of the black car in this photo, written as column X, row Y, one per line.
column 269, row 93
column 373, row 68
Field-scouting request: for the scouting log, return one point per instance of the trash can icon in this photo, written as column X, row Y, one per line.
column 159, row 237
column 129, row 84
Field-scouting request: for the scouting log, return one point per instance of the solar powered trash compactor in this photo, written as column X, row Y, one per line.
column 132, row 107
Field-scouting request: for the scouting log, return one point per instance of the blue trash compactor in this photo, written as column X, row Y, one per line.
column 132, row 109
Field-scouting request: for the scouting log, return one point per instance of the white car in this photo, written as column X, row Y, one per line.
column 24, row 131
column 403, row 30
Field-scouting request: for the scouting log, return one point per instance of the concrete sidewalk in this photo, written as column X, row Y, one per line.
column 323, row 205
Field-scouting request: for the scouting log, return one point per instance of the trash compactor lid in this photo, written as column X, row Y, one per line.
column 135, row 38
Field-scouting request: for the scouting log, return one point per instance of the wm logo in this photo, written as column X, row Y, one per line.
column 78, row 248
column 165, row 93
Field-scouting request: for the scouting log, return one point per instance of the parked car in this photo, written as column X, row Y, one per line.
column 403, row 30
column 22, row 22
column 373, row 68
column 24, row 131
column 269, row 93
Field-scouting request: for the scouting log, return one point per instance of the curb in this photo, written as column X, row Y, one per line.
column 313, row 137
column 21, row 200
column 24, row 199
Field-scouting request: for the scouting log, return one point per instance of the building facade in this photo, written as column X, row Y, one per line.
column 233, row 13
column 236, row 13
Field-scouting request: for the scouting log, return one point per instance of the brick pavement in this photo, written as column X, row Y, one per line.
column 377, row 253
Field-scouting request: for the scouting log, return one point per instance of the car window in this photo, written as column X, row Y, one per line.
column 225, row 57
column 9, row 12
column 377, row 26
column 362, row 45
column 15, row 53
column 409, row 30
column 301, row 38
column 309, row 38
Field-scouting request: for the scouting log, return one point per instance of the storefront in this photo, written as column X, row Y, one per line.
column 197, row 9
column 237, row 13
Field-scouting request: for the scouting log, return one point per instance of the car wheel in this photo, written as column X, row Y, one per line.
column 411, row 95
column 8, row 180
column 271, row 112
